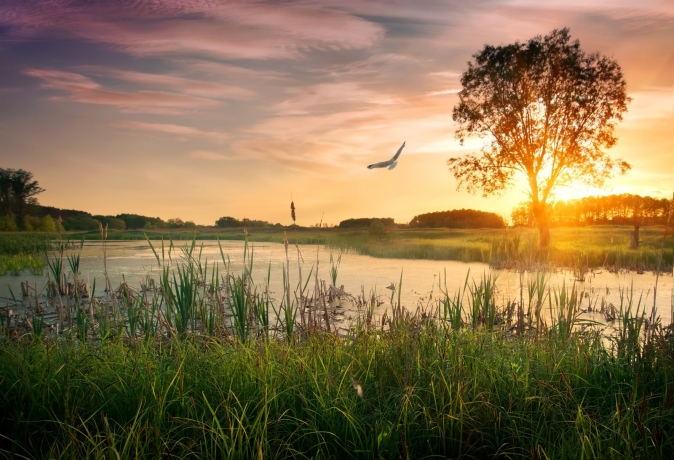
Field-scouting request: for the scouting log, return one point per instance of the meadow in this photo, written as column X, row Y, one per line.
column 210, row 364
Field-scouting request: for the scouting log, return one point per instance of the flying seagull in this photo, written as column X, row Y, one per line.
column 390, row 163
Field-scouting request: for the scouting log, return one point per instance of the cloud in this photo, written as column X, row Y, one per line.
column 177, row 84
column 184, row 132
column 309, row 155
column 651, row 103
column 233, row 29
column 311, row 99
column 85, row 90
column 443, row 92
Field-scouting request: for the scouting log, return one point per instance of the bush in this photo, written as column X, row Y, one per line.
column 378, row 230
column 47, row 224
column 31, row 223
column 112, row 222
column 8, row 223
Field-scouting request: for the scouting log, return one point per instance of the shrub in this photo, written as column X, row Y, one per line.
column 8, row 223
column 47, row 224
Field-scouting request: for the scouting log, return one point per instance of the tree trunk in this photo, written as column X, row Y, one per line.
column 542, row 223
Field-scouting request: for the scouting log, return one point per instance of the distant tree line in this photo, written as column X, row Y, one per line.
column 85, row 221
column 367, row 222
column 625, row 209
column 458, row 218
column 231, row 222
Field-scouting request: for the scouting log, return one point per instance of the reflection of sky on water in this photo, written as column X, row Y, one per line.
column 133, row 261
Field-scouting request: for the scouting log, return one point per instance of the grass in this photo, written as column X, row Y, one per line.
column 469, row 395
column 24, row 243
column 19, row 263
column 201, row 368
column 20, row 252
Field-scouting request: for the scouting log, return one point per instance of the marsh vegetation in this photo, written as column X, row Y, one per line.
column 208, row 362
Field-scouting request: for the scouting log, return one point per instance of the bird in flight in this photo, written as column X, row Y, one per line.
column 390, row 163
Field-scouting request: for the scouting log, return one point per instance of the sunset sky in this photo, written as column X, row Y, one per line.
column 201, row 109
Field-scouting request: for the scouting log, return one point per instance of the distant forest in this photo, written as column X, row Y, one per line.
column 622, row 209
column 458, row 218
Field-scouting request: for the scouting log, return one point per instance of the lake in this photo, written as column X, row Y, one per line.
column 134, row 261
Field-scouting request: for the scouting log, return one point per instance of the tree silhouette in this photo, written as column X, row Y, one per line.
column 17, row 191
column 23, row 191
column 547, row 110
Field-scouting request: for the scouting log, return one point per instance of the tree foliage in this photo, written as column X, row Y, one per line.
column 366, row 222
column 547, row 111
column 458, row 218
column 229, row 222
column 17, row 192
column 625, row 209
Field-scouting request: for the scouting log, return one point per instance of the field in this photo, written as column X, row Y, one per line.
column 208, row 366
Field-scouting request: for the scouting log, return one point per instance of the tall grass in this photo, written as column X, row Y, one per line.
column 435, row 392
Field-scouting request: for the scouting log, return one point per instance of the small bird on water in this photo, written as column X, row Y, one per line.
column 389, row 163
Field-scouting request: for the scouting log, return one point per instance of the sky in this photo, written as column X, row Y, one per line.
column 201, row 109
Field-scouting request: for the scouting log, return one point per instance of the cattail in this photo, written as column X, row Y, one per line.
column 292, row 211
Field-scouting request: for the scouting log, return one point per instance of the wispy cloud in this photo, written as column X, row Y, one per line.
column 185, row 132
column 234, row 29
column 83, row 89
column 651, row 103
column 311, row 99
column 443, row 92
column 175, row 83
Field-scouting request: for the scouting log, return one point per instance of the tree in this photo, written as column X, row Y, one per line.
column 23, row 190
column 548, row 111
column 176, row 222
column 227, row 221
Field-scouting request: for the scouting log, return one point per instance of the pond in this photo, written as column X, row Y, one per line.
column 133, row 262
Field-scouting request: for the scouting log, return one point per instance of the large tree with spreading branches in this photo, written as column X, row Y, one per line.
column 547, row 110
